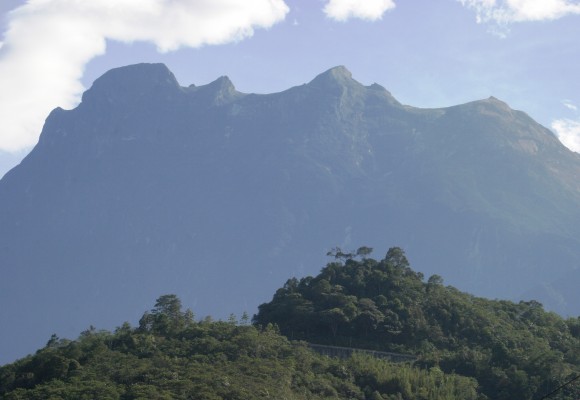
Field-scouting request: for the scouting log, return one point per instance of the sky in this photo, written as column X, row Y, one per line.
column 426, row 53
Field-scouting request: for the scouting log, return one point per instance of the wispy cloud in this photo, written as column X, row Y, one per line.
column 504, row 12
column 48, row 43
column 569, row 105
column 370, row 10
column 568, row 131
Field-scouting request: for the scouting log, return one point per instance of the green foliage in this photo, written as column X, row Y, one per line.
column 171, row 356
column 166, row 317
column 513, row 350
column 467, row 347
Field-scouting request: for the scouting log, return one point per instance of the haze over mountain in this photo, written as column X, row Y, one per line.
column 148, row 187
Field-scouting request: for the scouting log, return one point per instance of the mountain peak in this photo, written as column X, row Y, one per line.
column 338, row 72
column 490, row 105
column 142, row 79
column 221, row 91
column 496, row 101
column 335, row 76
column 223, row 84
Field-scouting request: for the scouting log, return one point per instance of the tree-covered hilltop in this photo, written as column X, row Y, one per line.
column 514, row 350
column 467, row 348
column 172, row 356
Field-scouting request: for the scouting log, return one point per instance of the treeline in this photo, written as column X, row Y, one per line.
column 467, row 347
column 170, row 355
column 513, row 350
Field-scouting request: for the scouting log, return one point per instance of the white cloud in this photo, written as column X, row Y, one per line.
column 48, row 43
column 569, row 105
column 508, row 11
column 568, row 131
column 371, row 10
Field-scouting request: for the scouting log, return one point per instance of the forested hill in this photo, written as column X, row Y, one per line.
column 172, row 356
column 466, row 347
column 514, row 350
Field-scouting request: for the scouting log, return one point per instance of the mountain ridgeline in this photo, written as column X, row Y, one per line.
column 149, row 187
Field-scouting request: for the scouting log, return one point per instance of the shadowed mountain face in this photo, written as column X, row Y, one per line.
column 149, row 188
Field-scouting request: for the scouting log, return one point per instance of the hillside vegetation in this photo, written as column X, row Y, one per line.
column 171, row 356
column 467, row 348
column 514, row 350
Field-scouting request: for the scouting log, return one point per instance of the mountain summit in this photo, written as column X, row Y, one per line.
column 337, row 76
column 148, row 187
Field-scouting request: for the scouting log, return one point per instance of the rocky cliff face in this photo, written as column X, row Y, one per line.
column 148, row 187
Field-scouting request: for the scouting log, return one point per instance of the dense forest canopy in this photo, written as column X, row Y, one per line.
column 466, row 347
column 514, row 350
column 172, row 356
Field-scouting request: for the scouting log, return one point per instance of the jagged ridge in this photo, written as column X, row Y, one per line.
column 148, row 186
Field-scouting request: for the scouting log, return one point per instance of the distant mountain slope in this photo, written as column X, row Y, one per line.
column 150, row 187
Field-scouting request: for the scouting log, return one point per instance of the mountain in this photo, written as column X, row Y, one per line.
column 148, row 187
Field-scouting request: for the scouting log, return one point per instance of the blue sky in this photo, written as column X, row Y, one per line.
column 427, row 53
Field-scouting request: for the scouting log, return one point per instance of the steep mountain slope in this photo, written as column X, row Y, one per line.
column 149, row 187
